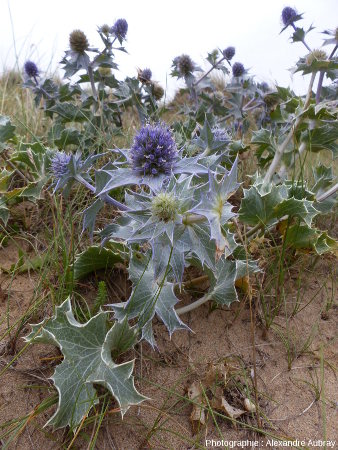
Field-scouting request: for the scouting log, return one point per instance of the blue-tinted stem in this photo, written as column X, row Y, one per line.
column 246, row 109
column 210, row 70
column 42, row 90
column 321, row 77
column 105, row 197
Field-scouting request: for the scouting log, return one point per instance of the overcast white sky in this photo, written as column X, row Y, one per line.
column 160, row 30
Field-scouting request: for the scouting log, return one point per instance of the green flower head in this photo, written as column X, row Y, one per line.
column 164, row 206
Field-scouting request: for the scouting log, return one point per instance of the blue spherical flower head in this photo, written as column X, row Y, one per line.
column 154, row 150
column 31, row 69
column 145, row 75
column 289, row 15
column 120, row 29
column 229, row 53
column 238, row 69
column 59, row 165
column 185, row 65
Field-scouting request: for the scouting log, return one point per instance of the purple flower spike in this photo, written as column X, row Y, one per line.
column 229, row 53
column 154, row 150
column 31, row 69
column 59, row 164
column 238, row 69
column 288, row 15
column 120, row 29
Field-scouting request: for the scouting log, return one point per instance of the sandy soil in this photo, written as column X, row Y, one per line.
column 286, row 397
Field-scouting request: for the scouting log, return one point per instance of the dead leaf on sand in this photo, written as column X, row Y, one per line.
column 197, row 415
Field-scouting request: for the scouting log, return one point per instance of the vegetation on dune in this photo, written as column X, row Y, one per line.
column 205, row 185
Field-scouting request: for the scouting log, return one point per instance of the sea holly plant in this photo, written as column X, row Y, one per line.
column 24, row 169
column 183, row 205
column 91, row 100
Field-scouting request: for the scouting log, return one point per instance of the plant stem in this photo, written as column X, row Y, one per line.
column 193, row 305
column 253, row 230
column 92, row 83
column 210, row 70
column 105, row 197
column 321, row 77
column 195, row 281
column 281, row 149
column 283, row 170
column 328, row 193
column 7, row 161
column 189, row 219
column 252, row 107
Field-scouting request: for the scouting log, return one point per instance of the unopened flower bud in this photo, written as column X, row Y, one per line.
column 105, row 71
column 78, row 41
column 315, row 55
column 164, row 206
column 105, row 29
column 157, row 91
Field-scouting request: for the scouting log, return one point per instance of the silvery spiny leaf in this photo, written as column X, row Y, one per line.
column 192, row 239
column 333, row 40
column 257, row 206
column 87, row 361
column 266, row 205
column 214, row 205
column 222, row 282
column 324, row 178
column 150, row 296
column 124, row 176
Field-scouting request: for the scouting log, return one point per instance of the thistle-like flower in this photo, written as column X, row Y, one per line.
column 289, row 15
column 185, row 65
column 229, row 53
column 264, row 86
column 59, row 165
column 105, row 29
column 238, row 69
column 105, row 71
column 157, row 91
column 164, row 206
column 78, row 41
column 120, row 29
column 145, row 75
column 220, row 134
column 315, row 55
column 154, row 150
column 31, row 69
